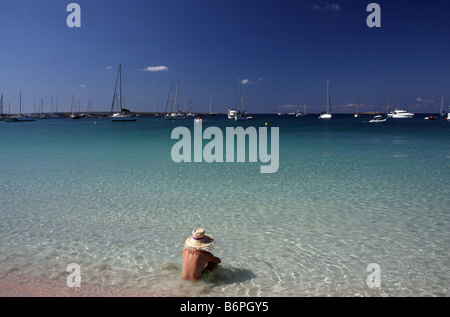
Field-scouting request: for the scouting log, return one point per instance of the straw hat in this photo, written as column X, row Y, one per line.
column 199, row 241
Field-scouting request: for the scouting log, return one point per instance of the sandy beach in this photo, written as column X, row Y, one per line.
column 32, row 287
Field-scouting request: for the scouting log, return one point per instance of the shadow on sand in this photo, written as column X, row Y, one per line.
column 229, row 275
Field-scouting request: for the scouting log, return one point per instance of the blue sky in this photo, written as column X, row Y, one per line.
column 278, row 48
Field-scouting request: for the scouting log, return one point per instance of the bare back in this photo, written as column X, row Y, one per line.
column 194, row 262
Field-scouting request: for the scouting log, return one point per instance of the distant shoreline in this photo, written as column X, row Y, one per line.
column 161, row 114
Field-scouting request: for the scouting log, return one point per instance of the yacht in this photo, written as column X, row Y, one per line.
column 357, row 104
column 378, row 118
column 327, row 113
column 122, row 114
column 239, row 114
column 175, row 113
column 400, row 114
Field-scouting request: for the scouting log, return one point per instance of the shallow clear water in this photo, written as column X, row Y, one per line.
column 348, row 193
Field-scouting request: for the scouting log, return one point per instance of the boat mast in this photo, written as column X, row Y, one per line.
column 357, row 104
column 371, row 107
column 239, row 96
column 176, row 96
column 390, row 105
column 72, row 105
column 210, row 103
column 442, row 107
column 20, row 103
column 328, row 96
column 120, row 73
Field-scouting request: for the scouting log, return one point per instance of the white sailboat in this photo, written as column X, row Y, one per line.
column 357, row 105
column 327, row 113
column 172, row 100
column 279, row 112
column 74, row 115
column 123, row 114
column 189, row 107
column 299, row 114
column 241, row 114
column 211, row 112
column 238, row 113
column 442, row 112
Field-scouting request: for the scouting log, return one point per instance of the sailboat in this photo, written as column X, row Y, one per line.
column 1, row 108
column 74, row 115
column 175, row 113
column 357, row 113
column 442, row 112
column 123, row 114
column 189, row 107
column 300, row 114
column 327, row 113
column 20, row 117
column 241, row 114
column 211, row 112
column 279, row 112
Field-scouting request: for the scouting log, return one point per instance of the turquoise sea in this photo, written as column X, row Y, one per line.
column 347, row 194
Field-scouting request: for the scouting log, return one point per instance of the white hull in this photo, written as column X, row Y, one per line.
column 232, row 114
column 175, row 116
column 242, row 118
column 327, row 113
column 377, row 119
column 325, row 116
column 400, row 114
column 119, row 117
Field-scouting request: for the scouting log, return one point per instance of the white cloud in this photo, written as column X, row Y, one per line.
column 251, row 82
column 108, row 67
column 328, row 7
column 424, row 101
column 82, row 85
column 333, row 7
column 156, row 69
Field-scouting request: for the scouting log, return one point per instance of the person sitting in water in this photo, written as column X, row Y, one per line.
column 197, row 257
